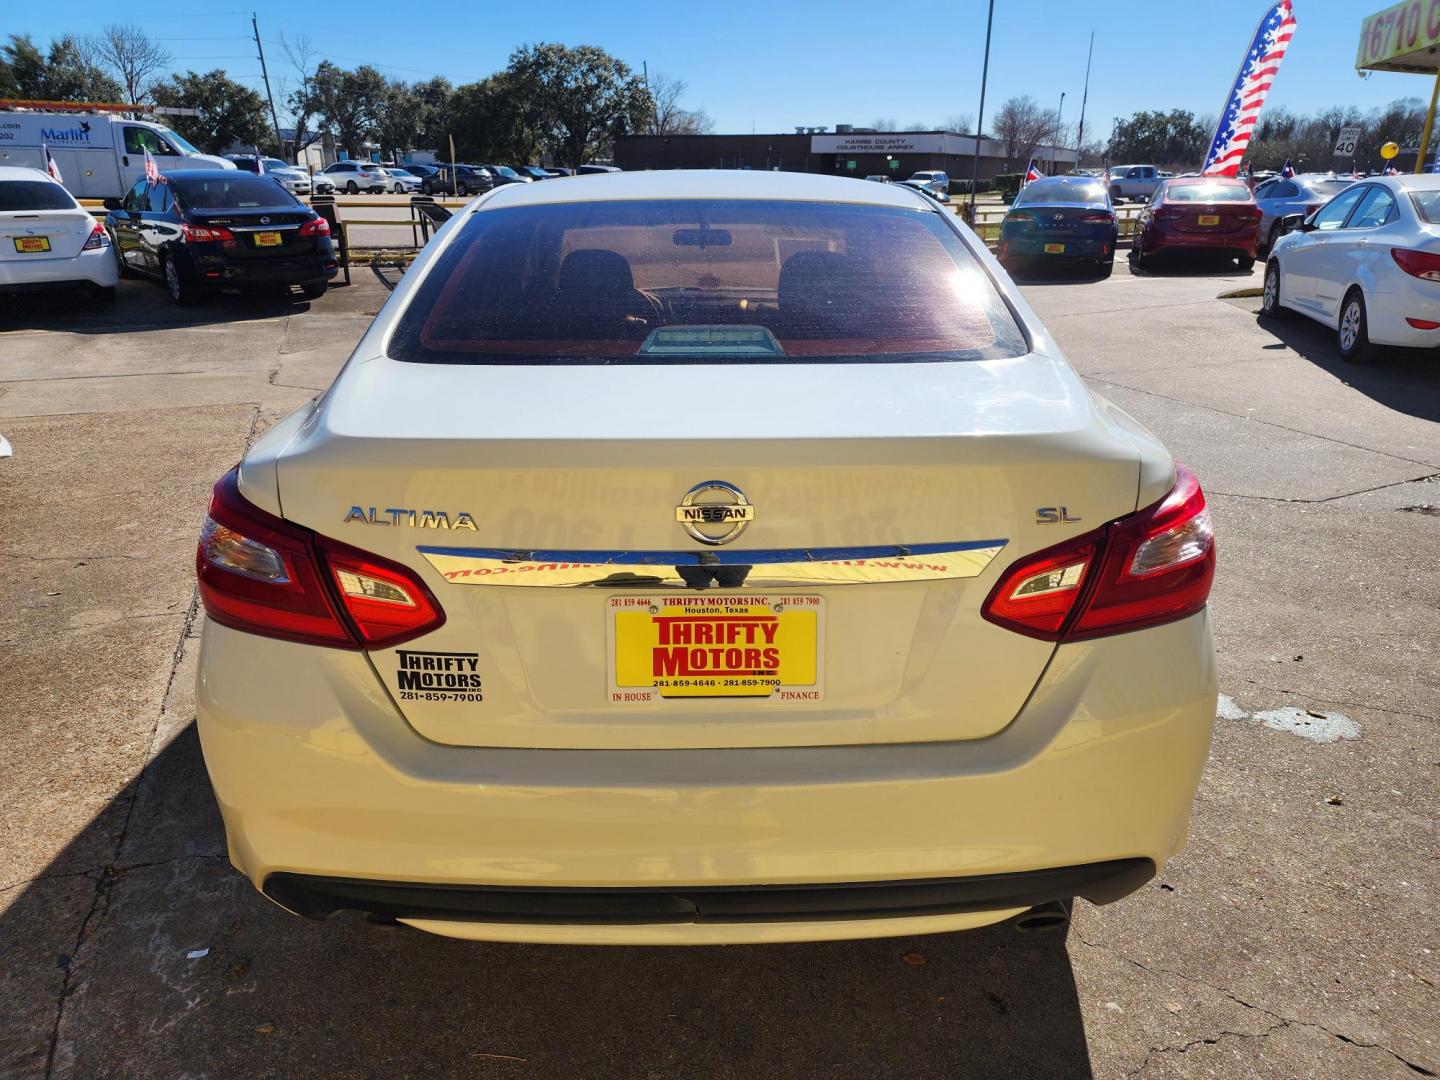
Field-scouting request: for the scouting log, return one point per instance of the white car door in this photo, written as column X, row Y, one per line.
column 1301, row 262
column 1340, row 256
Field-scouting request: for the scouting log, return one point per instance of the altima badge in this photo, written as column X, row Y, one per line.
column 714, row 512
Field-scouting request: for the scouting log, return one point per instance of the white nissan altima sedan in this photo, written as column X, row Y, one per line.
column 705, row 557
column 1366, row 264
column 48, row 240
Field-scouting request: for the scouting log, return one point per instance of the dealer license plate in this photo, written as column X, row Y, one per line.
column 727, row 645
column 1209, row 219
column 1054, row 249
column 29, row 244
column 268, row 239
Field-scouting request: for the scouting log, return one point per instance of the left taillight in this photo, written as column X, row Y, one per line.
column 97, row 238
column 1151, row 567
column 315, row 227
column 1421, row 264
column 267, row 576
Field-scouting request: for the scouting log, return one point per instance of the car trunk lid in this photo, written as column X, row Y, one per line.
column 513, row 491
column 34, row 235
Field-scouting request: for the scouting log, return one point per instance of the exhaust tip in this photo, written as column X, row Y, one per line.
column 1052, row 916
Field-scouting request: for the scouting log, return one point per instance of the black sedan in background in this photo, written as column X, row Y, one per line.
column 462, row 180
column 203, row 229
column 1064, row 219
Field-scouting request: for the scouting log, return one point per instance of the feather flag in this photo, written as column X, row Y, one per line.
column 1252, row 83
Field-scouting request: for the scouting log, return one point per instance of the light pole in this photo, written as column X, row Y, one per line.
column 1084, row 100
column 980, row 120
column 1059, row 126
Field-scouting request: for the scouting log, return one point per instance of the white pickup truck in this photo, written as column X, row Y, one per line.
column 1136, row 182
column 99, row 156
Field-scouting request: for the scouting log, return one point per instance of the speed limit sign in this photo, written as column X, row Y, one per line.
column 1345, row 144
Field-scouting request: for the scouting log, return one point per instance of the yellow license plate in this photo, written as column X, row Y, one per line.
column 28, row 244
column 1209, row 219
column 268, row 239
column 727, row 645
column 1054, row 249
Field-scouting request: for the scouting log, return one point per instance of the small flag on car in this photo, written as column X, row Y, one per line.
column 259, row 162
column 1032, row 173
column 1390, row 170
column 50, row 166
column 152, row 171
column 1287, row 170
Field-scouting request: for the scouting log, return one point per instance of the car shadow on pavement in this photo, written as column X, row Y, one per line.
column 164, row 962
column 1039, row 272
column 1186, row 264
column 1406, row 380
column 139, row 304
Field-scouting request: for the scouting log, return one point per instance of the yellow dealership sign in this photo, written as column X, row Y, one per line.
column 1404, row 37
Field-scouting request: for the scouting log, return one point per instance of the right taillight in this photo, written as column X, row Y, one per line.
column 267, row 576
column 1151, row 567
column 1421, row 264
column 316, row 226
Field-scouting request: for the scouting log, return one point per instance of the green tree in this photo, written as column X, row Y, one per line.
column 1171, row 138
column 584, row 98
column 64, row 74
column 230, row 112
column 496, row 120
column 348, row 102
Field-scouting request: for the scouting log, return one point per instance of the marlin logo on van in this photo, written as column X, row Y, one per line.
column 74, row 134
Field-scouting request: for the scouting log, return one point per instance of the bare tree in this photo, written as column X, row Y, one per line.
column 670, row 116
column 131, row 56
column 964, row 123
column 884, row 125
column 299, row 93
column 1022, row 125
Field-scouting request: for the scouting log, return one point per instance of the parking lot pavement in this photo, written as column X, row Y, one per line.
column 1293, row 938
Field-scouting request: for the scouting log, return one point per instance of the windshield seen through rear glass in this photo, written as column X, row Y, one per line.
column 1215, row 192
column 34, row 195
column 1049, row 192
column 243, row 191
column 705, row 281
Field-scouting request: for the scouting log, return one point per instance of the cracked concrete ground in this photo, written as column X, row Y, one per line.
column 1293, row 938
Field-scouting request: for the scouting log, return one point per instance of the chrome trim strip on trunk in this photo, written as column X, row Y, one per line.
column 690, row 570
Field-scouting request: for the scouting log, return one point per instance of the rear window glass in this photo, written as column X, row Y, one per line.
column 1060, row 191
column 240, row 192
column 705, row 281
column 34, row 195
column 1427, row 205
column 1216, row 192
column 1327, row 189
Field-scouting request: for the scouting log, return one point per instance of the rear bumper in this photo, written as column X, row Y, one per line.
column 1075, row 247
column 95, row 267
column 1404, row 297
column 213, row 268
column 1239, row 244
column 319, row 778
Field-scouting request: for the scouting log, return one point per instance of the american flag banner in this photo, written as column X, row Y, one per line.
column 1242, row 105
column 152, row 171
column 50, row 166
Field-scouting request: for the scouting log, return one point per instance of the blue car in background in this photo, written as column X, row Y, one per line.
column 1061, row 219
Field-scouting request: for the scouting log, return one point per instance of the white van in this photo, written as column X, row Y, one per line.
column 98, row 156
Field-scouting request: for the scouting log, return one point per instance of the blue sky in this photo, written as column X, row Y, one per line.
column 772, row 65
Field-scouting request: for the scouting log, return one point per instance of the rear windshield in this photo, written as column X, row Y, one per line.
column 1060, row 191
column 705, row 281
column 1427, row 205
column 34, row 195
column 240, row 192
column 1213, row 192
column 1328, row 188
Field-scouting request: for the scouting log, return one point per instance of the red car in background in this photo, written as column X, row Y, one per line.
column 1199, row 213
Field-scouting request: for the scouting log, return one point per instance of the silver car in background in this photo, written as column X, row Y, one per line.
column 1282, row 196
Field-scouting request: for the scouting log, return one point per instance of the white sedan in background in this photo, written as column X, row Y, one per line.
column 1367, row 264
column 700, row 557
column 400, row 181
column 48, row 240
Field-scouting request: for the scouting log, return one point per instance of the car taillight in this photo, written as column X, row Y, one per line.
column 267, row 576
column 206, row 234
column 318, row 227
column 1421, row 264
column 1151, row 567
column 97, row 238
column 1020, row 215
column 1097, row 219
